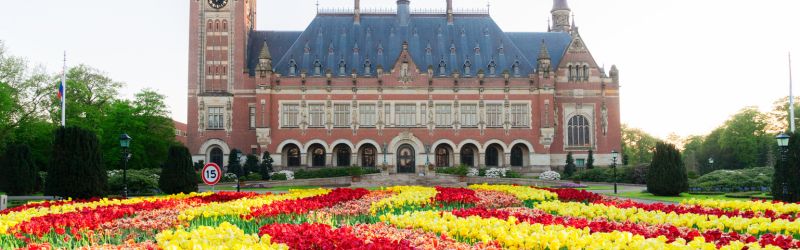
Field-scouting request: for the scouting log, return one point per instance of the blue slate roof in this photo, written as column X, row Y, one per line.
column 331, row 40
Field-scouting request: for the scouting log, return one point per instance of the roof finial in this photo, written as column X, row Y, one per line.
column 543, row 53
column 317, row 6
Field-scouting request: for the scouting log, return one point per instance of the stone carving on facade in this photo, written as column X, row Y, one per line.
column 201, row 116
column 329, row 115
column 263, row 137
column 604, row 121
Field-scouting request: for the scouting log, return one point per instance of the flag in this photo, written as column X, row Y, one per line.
column 61, row 91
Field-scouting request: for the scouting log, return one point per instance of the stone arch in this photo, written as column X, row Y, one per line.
column 524, row 142
column 210, row 143
column 374, row 143
column 308, row 144
column 469, row 141
column 443, row 141
column 494, row 141
column 287, row 142
column 343, row 141
column 589, row 118
column 407, row 138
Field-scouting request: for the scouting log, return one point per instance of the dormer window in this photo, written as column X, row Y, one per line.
column 442, row 67
column 492, row 68
column 292, row 67
column 367, row 67
column 515, row 68
column 467, row 67
column 317, row 68
column 342, row 67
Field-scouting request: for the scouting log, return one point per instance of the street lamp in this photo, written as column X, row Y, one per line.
column 783, row 144
column 614, row 156
column 236, row 156
column 125, row 142
column 711, row 163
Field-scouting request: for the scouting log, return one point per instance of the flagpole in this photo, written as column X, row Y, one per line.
column 791, row 96
column 64, row 94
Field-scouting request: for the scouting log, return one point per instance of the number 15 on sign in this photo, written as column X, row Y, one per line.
column 211, row 174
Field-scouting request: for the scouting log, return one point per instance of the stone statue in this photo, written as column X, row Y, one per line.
column 604, row 122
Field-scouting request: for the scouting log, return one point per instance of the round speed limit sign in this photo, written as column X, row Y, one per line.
column 212, row 174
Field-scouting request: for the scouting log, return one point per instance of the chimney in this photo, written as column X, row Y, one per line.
column 403, row 12
column 357, row 12
column 450, row 12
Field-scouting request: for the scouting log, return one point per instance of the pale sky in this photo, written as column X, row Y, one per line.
column 686, row 65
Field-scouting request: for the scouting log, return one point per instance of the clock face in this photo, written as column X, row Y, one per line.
column 217, row 4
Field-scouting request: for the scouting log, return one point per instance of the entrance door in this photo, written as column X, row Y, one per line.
column 216, row 156
column 405, row 159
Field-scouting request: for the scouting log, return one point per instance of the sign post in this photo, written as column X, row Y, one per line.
column 211, row 174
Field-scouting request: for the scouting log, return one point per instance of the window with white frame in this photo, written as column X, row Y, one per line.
column 341, row 115
column 291, row 112
column 469, row 115
column 387, row 114
column 423, row 114
column 252, row 117
column 215, row 118
column 520, row 115
column 406, row 115
column 316, row 115
column 444, row 115
column 367, row 115
column 494, row 115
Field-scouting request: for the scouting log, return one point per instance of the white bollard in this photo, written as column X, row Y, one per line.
column 3, row 202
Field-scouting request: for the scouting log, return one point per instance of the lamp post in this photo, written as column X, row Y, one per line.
column 783, row 144
column 125, row 142
column 236, row 156
column 614, row 156
column 711, row 163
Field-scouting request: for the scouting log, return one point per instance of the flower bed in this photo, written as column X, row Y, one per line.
column 403, row 217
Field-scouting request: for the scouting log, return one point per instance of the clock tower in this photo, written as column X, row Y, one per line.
column 218, row 36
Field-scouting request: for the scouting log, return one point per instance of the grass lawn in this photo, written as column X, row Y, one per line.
column 684, row 196
column 286, row 188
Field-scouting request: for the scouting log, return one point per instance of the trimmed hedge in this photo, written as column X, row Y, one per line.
column 140, row 181
column 330, row 172
column 667, row 175
column 734, row 180
column 625, row 174
column 77, row 167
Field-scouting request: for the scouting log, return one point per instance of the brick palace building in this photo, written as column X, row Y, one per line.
column 399, row 87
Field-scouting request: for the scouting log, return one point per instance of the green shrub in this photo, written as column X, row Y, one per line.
column 625, row 174
column 734, row 180
column 19, row 172
column 178, row 175
column 461, row 170
column 77, row 168
column 251, row 165
column 266, row 166
column 234, row 166
column 512, row 174
column 590, row 160
column 570, row 168
column 667, row 175
column 278, row 177
column 140, row 181
column 743, row 194
column 786, row 177
column 331, row 172
column 252, row 177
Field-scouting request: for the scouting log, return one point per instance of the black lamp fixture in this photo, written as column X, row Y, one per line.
column 614, row 156
column 125, row 142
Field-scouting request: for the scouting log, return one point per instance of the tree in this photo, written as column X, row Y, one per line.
column 570, row 168
column 178, row 175
column 77, row 168
column 19, row 170
column 25, row 95
column 251, row 164
column 266, row 166
column 234, row 165
column 637, row 145
column 590, row 160
column 667, row 175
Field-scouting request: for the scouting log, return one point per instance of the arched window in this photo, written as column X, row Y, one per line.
column 224, row 25
column 578, row 73
column 492, row 156
column 210, row 26
column 293, row 156
column 342, row 156
column 317, row 156
column 368, row 156
column 578, row 134
column 442, row 157
column 571, row 74
column 517, row 154
column 585, row 72
column 216, row 156
column 468, row 156
column 216, row 25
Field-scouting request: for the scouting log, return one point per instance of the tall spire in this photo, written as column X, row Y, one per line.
column 357, row 12
column 560, row 14
column 450, row 12
column 403, row 12
column 543, row 53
